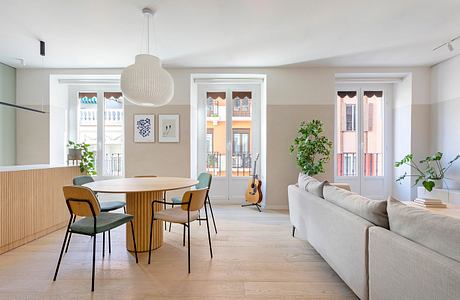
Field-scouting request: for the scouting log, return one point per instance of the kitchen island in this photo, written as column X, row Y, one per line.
column 31, row 202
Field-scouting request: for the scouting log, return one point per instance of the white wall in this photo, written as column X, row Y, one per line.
column 7, row 115
column 402, row 100
column 445, row 114
column 58, row 118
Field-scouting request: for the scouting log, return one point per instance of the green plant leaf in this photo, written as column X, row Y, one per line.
column 312, row 149
column 429, row 185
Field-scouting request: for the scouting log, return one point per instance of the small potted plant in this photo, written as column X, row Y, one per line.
column 430, row 171
column 82, row 153
column 312, row 149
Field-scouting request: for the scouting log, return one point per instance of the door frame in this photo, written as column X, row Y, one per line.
column 230, row 186
column 227, row 79
column 387, row 89
column 74, row 125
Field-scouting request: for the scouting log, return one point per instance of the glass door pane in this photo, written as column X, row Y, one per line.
column 346, row 133
column 373, row 133
column 87, row 120
column 241, row 133
column 113, row 134
column 216, row 127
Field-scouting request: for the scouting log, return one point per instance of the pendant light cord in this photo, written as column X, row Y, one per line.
column 148, row 33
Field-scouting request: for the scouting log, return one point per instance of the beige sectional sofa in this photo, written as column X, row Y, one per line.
column 353, row 235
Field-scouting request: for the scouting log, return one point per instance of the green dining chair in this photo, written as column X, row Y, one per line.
column 204, row 182
column 82, row 202
column 187, row 212
column 106, row 206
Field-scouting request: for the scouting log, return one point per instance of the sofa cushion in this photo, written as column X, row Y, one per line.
column 375, row 211
column 434, row 231
column 304, row 180
column 316, row 188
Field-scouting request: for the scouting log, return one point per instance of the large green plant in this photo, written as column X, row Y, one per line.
column 87, row 162
column 312, row 149
column 427, row 170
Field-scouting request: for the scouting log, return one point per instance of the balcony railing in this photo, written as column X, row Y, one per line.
column 241, row 164
column 212, row 108
column 241, row 108
column 111, row 116
column 347, row 164
column 113, row 164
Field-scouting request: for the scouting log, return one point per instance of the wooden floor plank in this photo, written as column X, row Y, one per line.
column 255, row 257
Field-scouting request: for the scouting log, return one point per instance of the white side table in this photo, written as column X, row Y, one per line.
column 447, row 196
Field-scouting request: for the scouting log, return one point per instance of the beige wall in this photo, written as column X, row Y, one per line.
column 162, row 159
column 293, row 95
column 282, row 124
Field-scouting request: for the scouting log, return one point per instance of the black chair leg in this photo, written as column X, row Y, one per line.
column 110, row 243
column 151, row 233
column 70, row 235
column 164, row 207
column 212, row 214
column 207, row 226
column 134, row 241
column 103, row 244
column 183, row 237
column 62, row 250
column 172, row 206
column 199, row 218
column 94, row 264
column 188, row 244
column 293, row 230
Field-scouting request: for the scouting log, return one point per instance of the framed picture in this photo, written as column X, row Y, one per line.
column 168, row 128
column 144, row 128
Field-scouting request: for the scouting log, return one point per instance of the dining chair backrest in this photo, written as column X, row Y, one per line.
column 194, row 199
column 204, row 181
column 81, row 201
column 81, row 180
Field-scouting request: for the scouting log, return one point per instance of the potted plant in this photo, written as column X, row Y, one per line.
column 81, row 152
column 430, row 171
column 312, row 148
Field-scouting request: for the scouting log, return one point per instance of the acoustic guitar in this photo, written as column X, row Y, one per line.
column 254, row 191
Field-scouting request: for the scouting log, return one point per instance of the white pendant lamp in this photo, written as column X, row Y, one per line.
column 146, row 83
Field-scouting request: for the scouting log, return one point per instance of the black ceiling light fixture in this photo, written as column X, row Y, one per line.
column 42, row 53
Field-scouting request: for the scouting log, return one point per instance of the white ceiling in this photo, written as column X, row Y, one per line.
column 230, row 33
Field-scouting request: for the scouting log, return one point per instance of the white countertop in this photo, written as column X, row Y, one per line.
column 30, row 167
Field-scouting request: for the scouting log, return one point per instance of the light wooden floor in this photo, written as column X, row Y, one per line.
column 255, row 257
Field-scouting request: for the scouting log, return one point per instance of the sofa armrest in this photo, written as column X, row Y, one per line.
column 402, row 269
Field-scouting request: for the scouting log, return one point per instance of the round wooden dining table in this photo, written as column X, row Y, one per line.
column 140, row 192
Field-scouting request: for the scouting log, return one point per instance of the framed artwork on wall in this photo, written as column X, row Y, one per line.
column 144, row 128
column 168, row 128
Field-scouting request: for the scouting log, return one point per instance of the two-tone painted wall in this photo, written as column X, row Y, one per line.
column 7, row 115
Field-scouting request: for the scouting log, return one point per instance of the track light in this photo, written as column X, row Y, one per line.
column 448, row 44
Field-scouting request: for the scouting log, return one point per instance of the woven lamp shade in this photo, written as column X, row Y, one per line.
column 146, row 83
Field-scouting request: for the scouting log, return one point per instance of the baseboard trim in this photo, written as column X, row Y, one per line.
column 280, row 207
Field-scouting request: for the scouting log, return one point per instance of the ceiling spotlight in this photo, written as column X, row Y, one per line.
column 448, row 44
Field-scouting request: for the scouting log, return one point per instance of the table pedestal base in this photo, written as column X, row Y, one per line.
column 138, row 205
